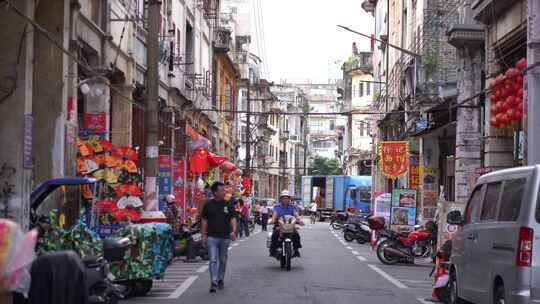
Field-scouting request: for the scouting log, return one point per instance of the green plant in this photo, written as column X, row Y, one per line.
column 351, row 63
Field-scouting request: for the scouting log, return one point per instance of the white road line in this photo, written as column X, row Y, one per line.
column 388, row 277
column 182, row 288
column 235, row 244
column 229, row 248
column 202, row 269
column 355, row 252
column 423, row 301
column 361, row 258
column 349, row 247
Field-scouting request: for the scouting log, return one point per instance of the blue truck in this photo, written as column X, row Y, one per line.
column 337, row 193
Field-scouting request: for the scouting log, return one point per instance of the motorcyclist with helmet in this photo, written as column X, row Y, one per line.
column 285, row 208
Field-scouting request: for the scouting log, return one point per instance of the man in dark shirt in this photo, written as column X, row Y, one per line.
column 217, row 230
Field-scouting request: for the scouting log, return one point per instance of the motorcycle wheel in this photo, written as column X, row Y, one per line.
column 349, row 237
column 283, row 262
column 361, row 240
column 385, row 258
column 112, row 299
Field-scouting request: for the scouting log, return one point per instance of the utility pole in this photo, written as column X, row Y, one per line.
column 152, row 105
column 248, row 126
column 532, row 119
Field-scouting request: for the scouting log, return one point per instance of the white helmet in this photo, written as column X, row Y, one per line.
column 284, row 193
column 170, row 198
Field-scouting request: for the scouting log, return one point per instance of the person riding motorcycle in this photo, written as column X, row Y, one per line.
column 282, row 210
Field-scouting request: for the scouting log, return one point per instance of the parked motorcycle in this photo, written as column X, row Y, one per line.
column 193, row 240
column 338, row 220
column 285, row 251
column 397, row 247
column 358, row 231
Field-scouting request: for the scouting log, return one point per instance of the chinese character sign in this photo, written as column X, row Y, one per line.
column 394, row 158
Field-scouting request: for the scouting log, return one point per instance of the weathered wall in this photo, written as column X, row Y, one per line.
column 16, row 53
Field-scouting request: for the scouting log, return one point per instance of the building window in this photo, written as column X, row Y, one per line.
column 361, row 127
column 332, row 124
column 368, row 88
column 360, row 89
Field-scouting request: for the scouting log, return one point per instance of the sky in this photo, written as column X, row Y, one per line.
column 303, row 40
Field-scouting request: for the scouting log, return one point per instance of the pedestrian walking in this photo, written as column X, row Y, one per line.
column 218, row 228
column 264, row 216
column 244, row 219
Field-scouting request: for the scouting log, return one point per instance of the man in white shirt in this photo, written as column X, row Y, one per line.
column 264, row 211
column 313, row 207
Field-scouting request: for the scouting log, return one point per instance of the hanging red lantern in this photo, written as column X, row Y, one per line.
column 499, row 79
column 519, row 94
column 215, row 160
column 511, row 72
column 511, row 101
column 494, row 122
column 228, row 166
column 517, row 115
column 521, row 64
column 493, row 109
column 198, row 161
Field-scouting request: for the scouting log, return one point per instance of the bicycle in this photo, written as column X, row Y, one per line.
column 313, row 217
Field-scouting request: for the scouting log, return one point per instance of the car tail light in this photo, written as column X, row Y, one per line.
column 525, row 246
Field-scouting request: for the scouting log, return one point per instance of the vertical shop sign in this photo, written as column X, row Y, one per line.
column 394, row 158
column 164, row 179
column 178, row 184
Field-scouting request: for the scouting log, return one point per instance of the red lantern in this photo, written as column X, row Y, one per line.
column 505, row 119
column 517, row 115
column 511, row 72
column 198, row 161
column 519, row 94
column 511, row 101
column 494, row 122
column 521, row 64
column 493, row 109
column 228, row 166
column 215, row 160
column 499, row 79
column 510, row 114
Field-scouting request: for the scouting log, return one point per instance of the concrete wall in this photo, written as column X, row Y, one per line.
column 15, row 101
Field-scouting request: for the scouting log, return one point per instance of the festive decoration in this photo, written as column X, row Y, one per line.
column 394, row 158
column 198, row 161
column 228, row 166
column 246, row 183
column 215, row 160
column 507, row 97
column 126, row 153
column 200, row 143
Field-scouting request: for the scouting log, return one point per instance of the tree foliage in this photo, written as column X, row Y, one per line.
column 325, row 166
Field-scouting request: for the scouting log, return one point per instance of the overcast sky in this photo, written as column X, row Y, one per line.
column 303, row 41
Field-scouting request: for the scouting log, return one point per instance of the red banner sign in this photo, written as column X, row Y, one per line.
column 96, row 122
column 394, row 158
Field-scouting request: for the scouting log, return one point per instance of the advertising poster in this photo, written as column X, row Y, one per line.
column 404, row 198
column 403, row 216
column 383, row 205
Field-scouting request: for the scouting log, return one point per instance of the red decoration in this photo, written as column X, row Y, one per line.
column 198, row 161
column 126, row 153
column 521, row 64
column 96, row 122
column 394, row 157
column 215, row 160
column 246, row 183
column 228, row 166
column 128, row 189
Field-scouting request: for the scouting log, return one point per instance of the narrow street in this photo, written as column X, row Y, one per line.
column 330, row 271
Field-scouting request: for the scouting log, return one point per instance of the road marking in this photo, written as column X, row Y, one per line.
column 349, row 247
column 241, row 241
column 388, row 277
column 235, row 244
column 361, row 258
column 356, row 252
column 423, row 301
column 202, row 269
column 182, row 288
column 229, row 248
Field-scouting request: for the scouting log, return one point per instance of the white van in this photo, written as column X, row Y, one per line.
column 496, row 252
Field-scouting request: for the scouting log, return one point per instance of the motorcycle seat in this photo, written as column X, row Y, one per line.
column 92, row 261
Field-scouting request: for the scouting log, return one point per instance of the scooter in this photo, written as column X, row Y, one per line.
column 356, row 231
column 194, row 246
column 441, row 273
column 285, row 251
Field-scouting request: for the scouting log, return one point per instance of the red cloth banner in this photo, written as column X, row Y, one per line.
column 394, row 158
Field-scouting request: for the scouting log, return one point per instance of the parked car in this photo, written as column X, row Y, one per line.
column 496, row 253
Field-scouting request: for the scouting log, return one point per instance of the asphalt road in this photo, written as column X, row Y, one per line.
column 330, row 271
